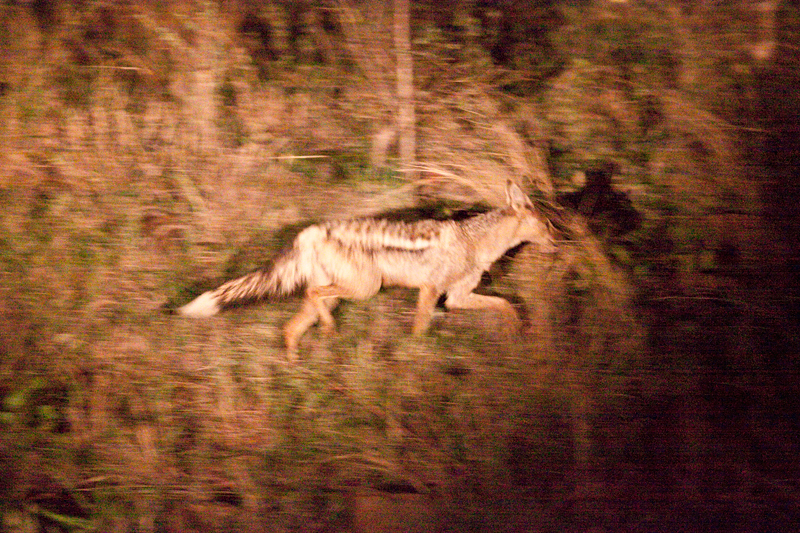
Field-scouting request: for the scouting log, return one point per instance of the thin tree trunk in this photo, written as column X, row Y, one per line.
column 405, row 87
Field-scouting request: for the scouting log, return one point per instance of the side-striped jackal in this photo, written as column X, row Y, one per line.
column 355, row 258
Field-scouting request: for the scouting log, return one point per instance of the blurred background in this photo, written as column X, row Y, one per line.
column 150, row 150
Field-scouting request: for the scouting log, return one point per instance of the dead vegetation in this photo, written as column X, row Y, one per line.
column 152, row 150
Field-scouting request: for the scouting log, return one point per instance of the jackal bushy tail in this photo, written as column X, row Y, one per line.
column 284, row 277
column 355, row 258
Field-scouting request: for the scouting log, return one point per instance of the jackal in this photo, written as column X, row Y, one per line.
column 355, row 258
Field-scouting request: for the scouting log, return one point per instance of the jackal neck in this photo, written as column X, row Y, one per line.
column 493, row 233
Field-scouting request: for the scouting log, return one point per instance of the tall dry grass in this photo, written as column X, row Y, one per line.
column 150, row 159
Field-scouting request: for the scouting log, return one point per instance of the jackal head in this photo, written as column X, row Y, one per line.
column 533, row 226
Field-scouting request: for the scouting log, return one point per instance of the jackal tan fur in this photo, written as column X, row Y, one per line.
column 353, row 259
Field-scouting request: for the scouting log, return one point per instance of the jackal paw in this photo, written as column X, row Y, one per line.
column 329, row 330
column 291, row 356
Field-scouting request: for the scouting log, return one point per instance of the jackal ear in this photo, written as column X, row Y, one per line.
column 515, row 198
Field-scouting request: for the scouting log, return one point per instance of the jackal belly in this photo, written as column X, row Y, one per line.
column 410, row 269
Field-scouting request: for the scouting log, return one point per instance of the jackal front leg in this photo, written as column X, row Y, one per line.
column 480, row 301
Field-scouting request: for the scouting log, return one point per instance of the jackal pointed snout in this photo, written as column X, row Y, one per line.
column 548, row 245
column 553, row 237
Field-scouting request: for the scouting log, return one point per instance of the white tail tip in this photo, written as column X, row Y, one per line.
column 202, row 306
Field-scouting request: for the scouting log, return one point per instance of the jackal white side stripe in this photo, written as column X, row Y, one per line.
column 371, row 234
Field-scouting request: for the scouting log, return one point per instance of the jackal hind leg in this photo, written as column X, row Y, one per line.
column 298, row 325
column 480, row 301
column 294, row 329
column 325, row 299
column 426, row 301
